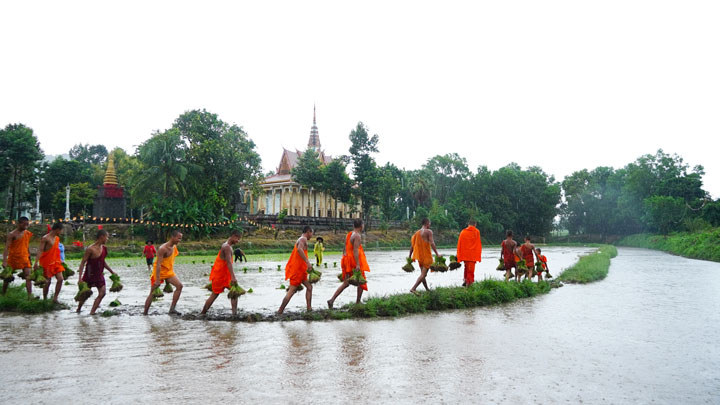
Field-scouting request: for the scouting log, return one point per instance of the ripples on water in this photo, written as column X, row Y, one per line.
column 645, row 334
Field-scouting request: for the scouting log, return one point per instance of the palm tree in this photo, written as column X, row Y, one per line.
column 164, row 167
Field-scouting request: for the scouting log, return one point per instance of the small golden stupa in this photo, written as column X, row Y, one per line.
column 110, row 176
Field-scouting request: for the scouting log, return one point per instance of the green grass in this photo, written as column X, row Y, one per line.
column 704, row 245
column 15, row 300
column 589, row 268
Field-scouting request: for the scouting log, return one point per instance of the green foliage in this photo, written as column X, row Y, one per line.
column 591, row 267
column 89, row 154
column 81, row 199
column 16, row 300
column 20, row 154
column 663, row 213
column 696, row 245
column 365, row 170
column 55, row 176
column 164, row 168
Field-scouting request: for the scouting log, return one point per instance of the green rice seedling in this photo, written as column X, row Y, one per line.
column 235, row 291
column 157, row 293
column 314, row 276
column 408, row 267
column 168, row 288
column 84, row 292
column 115, row 303
column 68, row 272
column 116, row 284
column 357, row 278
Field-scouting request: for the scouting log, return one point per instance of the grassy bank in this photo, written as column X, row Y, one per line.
column 703, row 245
column 589, row 268
column 16, row 300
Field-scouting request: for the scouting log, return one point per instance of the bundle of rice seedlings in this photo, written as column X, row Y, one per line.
column 314, row 276
column 244, row 269
column 235, row 290
column 282, row 287
column 334, row 264
column 68, row 272
column 208, row 287
column 340, row 277
column 454, row 264
column 279, row 267
column 38, row 277
column 157, row 293
column 84, row 292
column 300, row 288
column 250, row 291
column 116, row 284
column 7, row 274
column 357, row 278
column 115, row 303
column 439, row 265
column 501, row 266
column 168, row 288
column 260, row 269
column 408, row 267
column 325, row 264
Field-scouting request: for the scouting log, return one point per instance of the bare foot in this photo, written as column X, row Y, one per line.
column 330, row 304
column 174, row 312
column 417, row 294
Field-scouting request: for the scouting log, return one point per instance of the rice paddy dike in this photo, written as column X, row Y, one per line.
column 703, row 245
column 589, row 268
column 263, row 278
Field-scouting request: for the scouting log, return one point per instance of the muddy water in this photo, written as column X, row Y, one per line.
column 645, row 334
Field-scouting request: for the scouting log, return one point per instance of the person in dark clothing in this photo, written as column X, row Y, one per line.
column 239, row 255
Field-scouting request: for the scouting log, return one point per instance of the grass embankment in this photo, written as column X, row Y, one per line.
column 704, row 245
column 16, row 300
column 589, row 268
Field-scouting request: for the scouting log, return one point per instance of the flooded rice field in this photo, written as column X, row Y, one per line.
column 645, row 334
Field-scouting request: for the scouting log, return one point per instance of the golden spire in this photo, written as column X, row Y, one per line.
column 110, row 176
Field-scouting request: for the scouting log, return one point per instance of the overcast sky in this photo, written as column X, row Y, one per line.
column 564, row 85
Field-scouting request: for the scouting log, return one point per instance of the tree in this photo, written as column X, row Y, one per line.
column 55, row 176
column 19, row 155
column 164, row 169
column 390, row 183
column 89, row 154
column 309, row 173
column 223, row 153
column 82, row 196
column 365, row 171
column 664, row 214
column 336, row 182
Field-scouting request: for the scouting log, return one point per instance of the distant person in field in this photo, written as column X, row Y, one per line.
column 353, row 259
column 296, row 270
column 93, row 262
column 239, row 254
column 469, row 251
column 49, row 259
column 543, row 262
column 163, row 271
column 222, row 273
column 507, row 253
column 17, row 253
column 420, row 249
column 318, row 250
column 149, row 252
column 528, row 254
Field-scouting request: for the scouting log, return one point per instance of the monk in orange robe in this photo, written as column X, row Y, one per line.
column 163, row 271
column 543, row 261
column 420, row 249
column 17, row 252
column 222, row 273
column 353, row 259
column 469, row 251
column 50, row 261
column 296, row 270
column 508, row 250
column 528, row 254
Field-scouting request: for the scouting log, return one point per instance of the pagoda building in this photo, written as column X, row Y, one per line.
column 280, row 192
column 110, row 201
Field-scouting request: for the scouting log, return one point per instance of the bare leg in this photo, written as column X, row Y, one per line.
column 286, row 300
column 176, row 295
column 233, row 304
column 208, row 303
column 149, row 299
column 28, row 285
column 308, row 294
column 46, row 288
column 5, row 287
column 58, row 286
column 339, row 290
column 359, row 294
column 96, row 304
column 421, row 279
column 539, row 276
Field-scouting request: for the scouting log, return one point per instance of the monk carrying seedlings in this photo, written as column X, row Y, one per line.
column 296, row 270
column 353, row 260
column 93, row 262
column 420, row 249
column 222, row 273
column 528, row 254
column 163, row 270
column 50, row 260
column 17, row 253
column 508, row 248
column 469, row 251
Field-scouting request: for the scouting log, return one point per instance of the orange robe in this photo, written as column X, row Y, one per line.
column 348, row 261
column 296, row 268
column 469, row 250
column 18, row 252
column 166, row 267
column 220, row 275
column 528, row 256
column 543, row 261
column 50, row 260
column 421, row 250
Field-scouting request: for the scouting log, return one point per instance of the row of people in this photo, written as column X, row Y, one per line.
column 222, row 275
